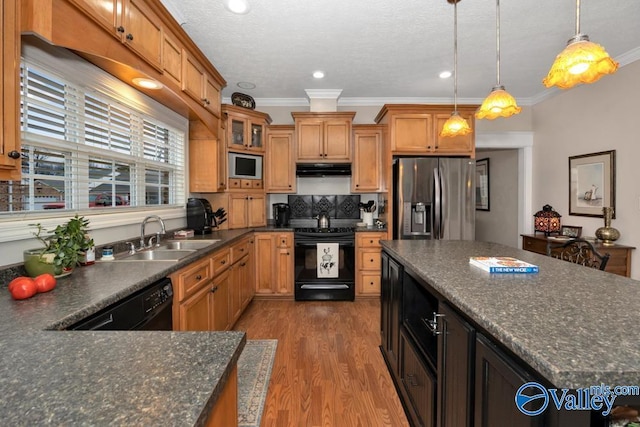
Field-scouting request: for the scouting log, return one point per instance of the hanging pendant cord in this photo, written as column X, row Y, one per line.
column 455, row 56
column 577, row 17
column 498, row 42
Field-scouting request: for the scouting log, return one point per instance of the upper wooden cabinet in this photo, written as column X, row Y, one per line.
column 133, row 22
column 9, row 90
column 245, row 128
column 207, row 162
column 366, row 170
column 280, row 164
column 199, row 85
column 323, row 136
column 415, row 129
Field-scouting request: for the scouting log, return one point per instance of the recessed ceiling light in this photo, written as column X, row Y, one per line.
column 445, row 74
column 237, row 6
column 318, row 74
column 147, row 83
column 246, row 85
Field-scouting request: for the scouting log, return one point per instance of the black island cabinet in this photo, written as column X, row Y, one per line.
column 470, row 381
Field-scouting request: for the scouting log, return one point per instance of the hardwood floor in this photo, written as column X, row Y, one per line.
column 328, row 369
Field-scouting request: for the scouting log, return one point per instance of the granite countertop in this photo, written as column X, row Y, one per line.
column 576, row 326
column 102, row 377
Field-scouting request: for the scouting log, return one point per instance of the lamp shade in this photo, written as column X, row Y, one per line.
column 499, row 103
column 582, row 61
column 455, row 125
column 547, row 220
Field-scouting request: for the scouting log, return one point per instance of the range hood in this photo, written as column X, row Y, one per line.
column 323, row 169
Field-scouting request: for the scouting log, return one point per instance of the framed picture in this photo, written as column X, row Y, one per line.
column 570, row 231
column 482, row 185
column 592, row 183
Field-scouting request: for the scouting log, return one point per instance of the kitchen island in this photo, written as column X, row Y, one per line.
column 567, row 326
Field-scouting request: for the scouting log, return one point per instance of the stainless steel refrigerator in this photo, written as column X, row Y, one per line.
column 434, row 198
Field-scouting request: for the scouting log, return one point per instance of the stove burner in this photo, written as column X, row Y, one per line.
column 325, row 230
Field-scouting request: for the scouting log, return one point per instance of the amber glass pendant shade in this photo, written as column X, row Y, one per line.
column 582, row 61
column 499, row 103
column 455, row 125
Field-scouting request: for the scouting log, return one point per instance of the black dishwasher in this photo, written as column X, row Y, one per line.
column 148, row 309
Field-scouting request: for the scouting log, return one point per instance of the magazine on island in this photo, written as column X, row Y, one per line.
column 502, row 264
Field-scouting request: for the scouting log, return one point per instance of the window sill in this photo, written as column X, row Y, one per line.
column 19, row 227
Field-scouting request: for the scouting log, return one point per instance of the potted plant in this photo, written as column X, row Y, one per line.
column 62, row 249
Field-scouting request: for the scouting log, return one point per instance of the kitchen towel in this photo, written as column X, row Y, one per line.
column 328, row 259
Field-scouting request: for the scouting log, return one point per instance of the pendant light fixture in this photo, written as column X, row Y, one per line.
column 582, row 61
column 455, row 125
column 499, row 103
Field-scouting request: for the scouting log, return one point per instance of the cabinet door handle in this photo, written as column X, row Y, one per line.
column 130, row 37
column 411, row 379
column 214, row 289
column 120, row 29
column 243, row 264
column 15, row 155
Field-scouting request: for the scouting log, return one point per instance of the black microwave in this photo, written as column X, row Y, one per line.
column 245, row 166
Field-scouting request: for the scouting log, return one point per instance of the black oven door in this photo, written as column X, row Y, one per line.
column 324, row 275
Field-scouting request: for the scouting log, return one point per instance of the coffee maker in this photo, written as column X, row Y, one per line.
column 199, row 216
column 281, row 214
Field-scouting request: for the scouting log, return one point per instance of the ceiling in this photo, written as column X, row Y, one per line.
column 392, row 51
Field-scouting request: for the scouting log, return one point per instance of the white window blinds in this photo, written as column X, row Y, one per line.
column 91, row 142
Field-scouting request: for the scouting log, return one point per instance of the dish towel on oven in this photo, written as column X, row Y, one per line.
column 328, row 259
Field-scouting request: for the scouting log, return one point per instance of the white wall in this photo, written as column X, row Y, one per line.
column 587, row 119
column 500, row 224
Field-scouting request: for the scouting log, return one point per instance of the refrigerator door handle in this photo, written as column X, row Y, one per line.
column 437, row 221
column 442, row 196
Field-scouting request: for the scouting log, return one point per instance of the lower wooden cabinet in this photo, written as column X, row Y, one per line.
column 211, row 294
column 274, row 259
column 391, row 312
column 225, row 411
column 368, row 263
column 419, row 385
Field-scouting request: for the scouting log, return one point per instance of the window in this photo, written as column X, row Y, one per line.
column 91, row 142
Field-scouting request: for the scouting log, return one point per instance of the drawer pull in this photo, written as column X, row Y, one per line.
column 198, row 277
column 223, row 262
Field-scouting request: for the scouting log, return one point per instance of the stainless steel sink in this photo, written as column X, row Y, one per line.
column 157, row 255
column 187, row 244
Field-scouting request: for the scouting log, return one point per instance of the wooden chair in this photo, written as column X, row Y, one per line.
column 578, row 251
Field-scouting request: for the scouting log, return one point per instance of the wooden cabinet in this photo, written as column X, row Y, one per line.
column 245, row 128
column 207, row 161
column 199, row 291
column 133, row 22
column 240, row 278
column 247, row 210
column 415, row 129
column 10, row 91
column 619, row 259
column 172, row 52
column 391, row 312
column 274, row 260
column 280, row 163
column 419, row 385
column 199, row 85
column 497, row 378
column 324, row 137
column 368, row 265
column 455, row 345
column 225, row 411
column 366, row 171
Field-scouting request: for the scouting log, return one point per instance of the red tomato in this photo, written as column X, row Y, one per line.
column 22, row 288
column 45, row 282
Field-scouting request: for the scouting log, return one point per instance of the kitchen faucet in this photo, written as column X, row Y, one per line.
column 144, row 223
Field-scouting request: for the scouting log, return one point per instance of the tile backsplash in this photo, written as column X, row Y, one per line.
column 336, row 206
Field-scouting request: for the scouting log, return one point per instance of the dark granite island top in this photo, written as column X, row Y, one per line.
column 576, row 326
column 143, row 378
